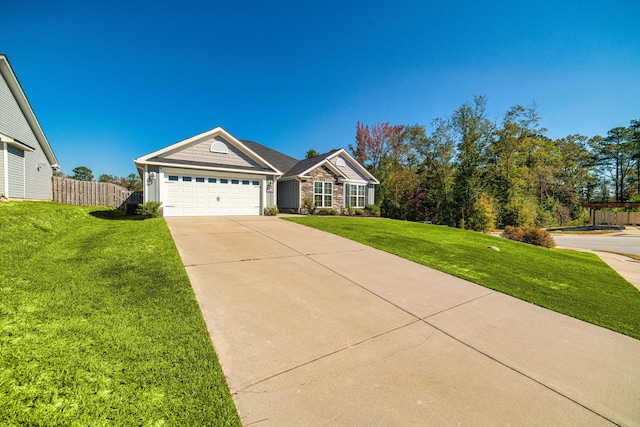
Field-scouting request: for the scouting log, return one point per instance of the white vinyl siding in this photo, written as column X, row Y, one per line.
column 34, row 176
column 16, row 172
column 201, row 152
column 349, row 170
column 3, row 148
column 323, row 194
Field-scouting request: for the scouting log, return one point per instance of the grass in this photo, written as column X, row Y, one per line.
column 99, row 325
column 577, row 284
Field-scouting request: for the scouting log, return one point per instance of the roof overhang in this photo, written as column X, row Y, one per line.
column 356, row 164
column 27, row 111
column 15, row 143
column 140, row 166
column 218, row 131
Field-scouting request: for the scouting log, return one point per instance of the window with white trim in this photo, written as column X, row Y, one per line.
column 323, row 194
column 356, row 195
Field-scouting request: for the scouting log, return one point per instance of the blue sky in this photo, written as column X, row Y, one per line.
column 112, row 81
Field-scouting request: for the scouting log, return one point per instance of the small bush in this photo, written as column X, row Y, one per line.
column 530, row 235
column 272, row 211
column 513, row 233
column 309, row 206
column 374, row 209
column 359, row 212
column 350, row 210
column 149, row 209
column 326, row 211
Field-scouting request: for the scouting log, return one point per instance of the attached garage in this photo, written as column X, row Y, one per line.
column 216, row 174
column 200, row 194
column 212, row 174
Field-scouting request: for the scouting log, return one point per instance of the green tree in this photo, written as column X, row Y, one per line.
column 473, row 131
column 615, row 153
column 133, row 182
column 82, row 173
column 108, row 178
column 435, row 154
column 484, row 217
column 634, row 139
column 311, row 153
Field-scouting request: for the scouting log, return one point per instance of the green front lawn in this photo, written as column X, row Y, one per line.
column 578, row 284
column 99, row 325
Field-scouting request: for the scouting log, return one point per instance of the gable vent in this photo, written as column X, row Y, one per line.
column 340, row 162
column 219, row 147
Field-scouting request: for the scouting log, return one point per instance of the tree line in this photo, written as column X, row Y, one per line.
column 82, row 173
column 468, row 171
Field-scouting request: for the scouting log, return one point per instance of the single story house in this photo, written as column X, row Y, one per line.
column 27, row 161
column 214, row 173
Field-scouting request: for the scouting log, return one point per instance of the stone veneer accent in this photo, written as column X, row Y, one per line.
column 325, row 175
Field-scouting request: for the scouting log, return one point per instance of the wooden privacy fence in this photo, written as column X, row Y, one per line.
column 88, row 193
column 616, row 218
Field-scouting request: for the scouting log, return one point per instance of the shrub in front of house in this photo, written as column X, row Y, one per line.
column 373, row 209
column 326, row 211
column 149, row 209
column 309, row 206
column 359, row 212
column 272, row 211
column 530, row 235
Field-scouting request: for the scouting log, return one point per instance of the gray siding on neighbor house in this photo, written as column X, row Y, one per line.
column 16, row 172
column 38, row 173
column 289, row 194
column 351, row 172
column 3, row 147
column 200, row 152
column 37, row 169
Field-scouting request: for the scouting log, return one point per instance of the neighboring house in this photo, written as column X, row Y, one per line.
column 27, row 161
column 215, row 173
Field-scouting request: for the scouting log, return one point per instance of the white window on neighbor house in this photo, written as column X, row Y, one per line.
column 356, row 195
column 323, row 194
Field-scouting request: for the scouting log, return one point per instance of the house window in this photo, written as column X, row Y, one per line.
column 198, row 179
column 173, row 177
column 186, row 179
column 255, row 182
column 219, row 147
column 323, row 194
column 224, row 181
column 245, row 182
column 356, row 195
column 212, row 180
column 235, row 181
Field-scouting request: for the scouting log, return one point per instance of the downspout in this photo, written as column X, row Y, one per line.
column 275, row 191
column 6, row 169
column 145, row 192
column 299, row 196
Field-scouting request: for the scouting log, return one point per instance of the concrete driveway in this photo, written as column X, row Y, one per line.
column 312, row 329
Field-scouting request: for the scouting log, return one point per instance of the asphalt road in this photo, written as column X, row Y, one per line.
column 623, row 243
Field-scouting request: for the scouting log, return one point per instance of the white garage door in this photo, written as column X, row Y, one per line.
column 193, row 195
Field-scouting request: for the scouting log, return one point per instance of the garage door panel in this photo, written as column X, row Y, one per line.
column 192, row 195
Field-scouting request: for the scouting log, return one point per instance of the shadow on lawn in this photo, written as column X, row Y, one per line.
column 115, row 215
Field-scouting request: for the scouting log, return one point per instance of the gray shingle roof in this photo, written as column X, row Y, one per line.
column 276, row 158
column 305, row 164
